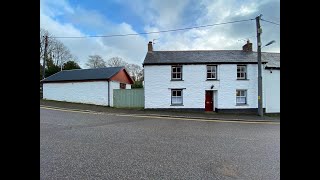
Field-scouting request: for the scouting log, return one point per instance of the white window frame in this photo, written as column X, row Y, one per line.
column 241, row 71
column 212, row 72
column 244, row 95
column 173, row 102
column 172, row 72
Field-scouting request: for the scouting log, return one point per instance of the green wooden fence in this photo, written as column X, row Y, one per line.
column 128, row 98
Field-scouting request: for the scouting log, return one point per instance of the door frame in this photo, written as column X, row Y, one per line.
column 205, row 97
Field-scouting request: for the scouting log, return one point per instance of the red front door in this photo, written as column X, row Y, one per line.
column 209, row 101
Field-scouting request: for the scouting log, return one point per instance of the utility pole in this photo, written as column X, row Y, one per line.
column 259, row 31
column 45, row 57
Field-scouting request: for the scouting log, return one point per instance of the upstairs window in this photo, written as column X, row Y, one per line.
column 176, row 72
column 211, row 72
column 241, row 72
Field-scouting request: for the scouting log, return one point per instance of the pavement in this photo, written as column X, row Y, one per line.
column 161, row 113
column 97, row 145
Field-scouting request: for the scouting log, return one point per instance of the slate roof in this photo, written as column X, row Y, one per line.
column 273, row 59
column 208, row 56
column 83, row 74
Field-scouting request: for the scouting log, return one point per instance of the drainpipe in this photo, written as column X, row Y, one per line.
column 109, row 93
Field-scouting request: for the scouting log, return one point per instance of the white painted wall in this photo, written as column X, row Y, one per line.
column 113, row 85
column 229, row 84
column 95, row 92
column 158, row 82
column 272, row 90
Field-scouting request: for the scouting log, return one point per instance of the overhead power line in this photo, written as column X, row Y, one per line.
column 270, row 22
column 154, row 32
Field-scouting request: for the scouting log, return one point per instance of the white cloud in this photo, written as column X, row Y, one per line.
column 132, row 49
column 160, row 15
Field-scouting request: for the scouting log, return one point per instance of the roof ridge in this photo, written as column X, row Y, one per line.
column 193, row 50
column 209, row 50
column 93, row 68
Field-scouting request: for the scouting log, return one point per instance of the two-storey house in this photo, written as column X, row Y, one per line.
column 211, row 80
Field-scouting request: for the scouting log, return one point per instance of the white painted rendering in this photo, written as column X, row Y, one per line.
column 94, row 92
column 158, row 83
column 272, row 89
column 113, row 85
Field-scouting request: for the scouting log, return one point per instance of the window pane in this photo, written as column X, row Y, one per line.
column 241, row 93
column 178, row 69
column 238, row 93
column 175, row 93
column 178, row 93
column 179, row 100
column 174, row 75
column 214, row 68
column 179, row 76
column 176, row 100
column 208, row 75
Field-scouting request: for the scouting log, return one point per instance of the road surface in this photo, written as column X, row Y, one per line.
column 84, row 145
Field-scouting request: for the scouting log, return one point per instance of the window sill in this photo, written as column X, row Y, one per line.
column 242, row 104
column 243, row 79
column 212, row 80
column 176, row 105
column 177, row 80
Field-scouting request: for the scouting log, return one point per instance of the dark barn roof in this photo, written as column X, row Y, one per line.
column 205, row 57
column 83, row 74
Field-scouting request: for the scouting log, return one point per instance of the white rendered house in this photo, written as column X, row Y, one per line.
column 211, row 80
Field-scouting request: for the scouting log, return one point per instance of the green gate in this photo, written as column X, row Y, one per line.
column 128, row 98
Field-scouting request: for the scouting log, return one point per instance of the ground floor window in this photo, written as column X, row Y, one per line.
column 176, row 97
column 241, row 97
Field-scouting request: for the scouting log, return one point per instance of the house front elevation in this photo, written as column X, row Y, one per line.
column 211, row 80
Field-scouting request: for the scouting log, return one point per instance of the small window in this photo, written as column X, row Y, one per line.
column 176, row 97
column 241, row 72
column 122, row 86
column 241, row 97
column 176, row 72
column 211, row 72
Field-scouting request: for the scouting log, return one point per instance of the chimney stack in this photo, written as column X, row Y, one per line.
column 150, row 48
column 247, row 47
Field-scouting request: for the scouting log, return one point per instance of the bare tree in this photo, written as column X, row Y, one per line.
column 60, row 53
column 56, row 50
column 116, row 62
column 134, row 71
column 43, row 33
column 95, row 61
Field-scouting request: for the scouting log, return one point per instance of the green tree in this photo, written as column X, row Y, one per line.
column 137, row 84
column 51, row 68
column 71, row 65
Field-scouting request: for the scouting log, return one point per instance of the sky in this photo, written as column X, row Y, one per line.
column 63, row 18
